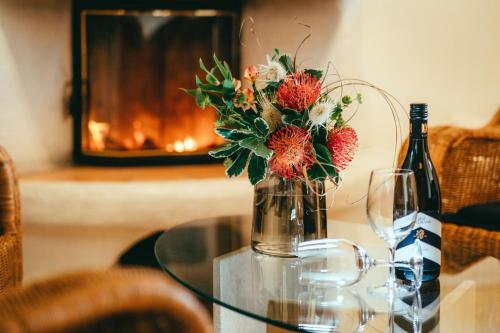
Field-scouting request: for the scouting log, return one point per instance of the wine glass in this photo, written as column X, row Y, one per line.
column 343, row 310
column 340, row 263
column 392, row 207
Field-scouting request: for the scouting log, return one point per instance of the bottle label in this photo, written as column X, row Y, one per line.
column 428, row 230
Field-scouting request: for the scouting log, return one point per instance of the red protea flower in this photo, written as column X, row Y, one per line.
column 298, row 91
column 293, row 151
column 342, row 144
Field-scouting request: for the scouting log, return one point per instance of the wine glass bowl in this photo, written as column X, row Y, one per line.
column 392, row 206
column 342, row 263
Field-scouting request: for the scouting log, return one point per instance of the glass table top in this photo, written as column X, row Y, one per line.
column 212, row 257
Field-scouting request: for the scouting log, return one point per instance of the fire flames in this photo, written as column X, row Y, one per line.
column 98, row 133
column 101, row 140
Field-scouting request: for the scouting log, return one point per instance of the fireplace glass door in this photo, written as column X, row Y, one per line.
column 133, row 66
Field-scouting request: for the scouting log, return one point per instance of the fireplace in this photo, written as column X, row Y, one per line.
column 130, row 58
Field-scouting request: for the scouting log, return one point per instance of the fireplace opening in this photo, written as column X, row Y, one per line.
column 130, row 65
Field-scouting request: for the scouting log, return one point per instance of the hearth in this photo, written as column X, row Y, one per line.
column 130, row 58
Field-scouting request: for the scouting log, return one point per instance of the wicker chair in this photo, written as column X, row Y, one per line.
column 11, row 265
column 467, row 162
column 117, row 300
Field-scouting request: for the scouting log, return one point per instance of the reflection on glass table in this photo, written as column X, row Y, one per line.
column 340, row 262
column 258, row 293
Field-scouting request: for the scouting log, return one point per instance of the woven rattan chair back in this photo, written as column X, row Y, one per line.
column 467, row 162
column 11, row 268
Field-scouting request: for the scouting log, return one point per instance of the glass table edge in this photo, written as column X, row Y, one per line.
column 211, row 299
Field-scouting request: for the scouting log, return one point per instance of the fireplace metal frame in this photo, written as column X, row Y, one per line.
column 78, row 100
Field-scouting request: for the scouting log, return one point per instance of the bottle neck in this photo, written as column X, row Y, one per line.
column 418, row 129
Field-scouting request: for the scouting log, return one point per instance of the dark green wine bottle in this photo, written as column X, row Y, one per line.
column 428, row 226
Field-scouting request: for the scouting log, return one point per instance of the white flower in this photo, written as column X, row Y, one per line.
column 272, row 72
column 320, row 113
column 270, row 114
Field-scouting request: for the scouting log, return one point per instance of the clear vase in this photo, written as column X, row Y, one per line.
column 286, row 213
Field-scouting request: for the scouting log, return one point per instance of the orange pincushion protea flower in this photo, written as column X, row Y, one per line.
column 298, row 91
column 342, row 144
column 293, row 151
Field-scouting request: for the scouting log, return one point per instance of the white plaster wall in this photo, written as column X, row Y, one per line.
column 35, row 65
column 442, row 52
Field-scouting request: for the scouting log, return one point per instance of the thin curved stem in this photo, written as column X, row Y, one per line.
column 391, row 281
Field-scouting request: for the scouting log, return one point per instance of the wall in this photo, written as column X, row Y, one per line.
column 442, row 52
column 35, row 65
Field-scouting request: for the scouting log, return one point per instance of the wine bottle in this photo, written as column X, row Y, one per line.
column 428, row 225
column 428, row 314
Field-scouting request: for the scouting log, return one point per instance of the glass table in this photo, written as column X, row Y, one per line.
column 257, row 293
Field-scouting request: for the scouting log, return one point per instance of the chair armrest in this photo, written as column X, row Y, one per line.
column 10, row 261
column 118, row 300
column 462, row 246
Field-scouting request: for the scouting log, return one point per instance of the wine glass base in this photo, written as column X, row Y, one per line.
column 391, row 290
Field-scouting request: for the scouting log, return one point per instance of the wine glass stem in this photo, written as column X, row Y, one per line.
column 392, row 272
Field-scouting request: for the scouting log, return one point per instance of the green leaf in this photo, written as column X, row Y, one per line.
column 232, row 134
column 202, row 66
column 201, row 99
column 226, row 65
column 211, row 78
column 318, row 74
column 305, row 118
column 258, row 146
column 190, row 92
column 225, row 151
column 197, row 80
column 228, row 88
column 261, row 126
column 325, row 159
column 276, row 54
column 346, row 100
column 320, row 134
column 359, row 98
column 210, row 88
column 287, row 62
column 316, row 172
column 223, row 70
column 257, row 169
column 292, row 119
column 238, row 164
column 271, row 87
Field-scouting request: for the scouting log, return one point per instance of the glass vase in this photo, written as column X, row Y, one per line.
column 286, row 213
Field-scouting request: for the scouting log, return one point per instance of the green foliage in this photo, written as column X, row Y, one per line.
column 291, row 117
column 320, row 134
column 262, row 126
column 346, row 100
column 359, row 98
column 276, row 54
column 238, row 164
column 247, row 133
column 287, row 62
column 318, row 74
column 323, row 168
column 257, row 169
column 202, row 100
column 228, row 89
column 225, row 151
column 232, row 134
column 257, row 146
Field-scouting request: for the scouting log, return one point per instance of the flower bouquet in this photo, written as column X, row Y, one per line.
column 284, row 127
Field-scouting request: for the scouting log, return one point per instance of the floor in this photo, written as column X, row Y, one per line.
column 51, row 250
